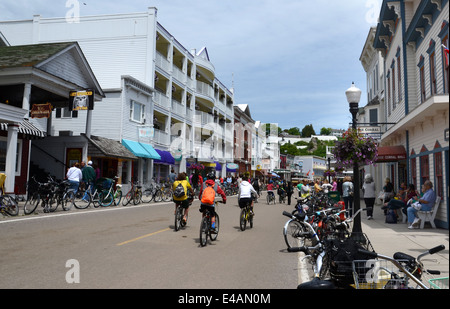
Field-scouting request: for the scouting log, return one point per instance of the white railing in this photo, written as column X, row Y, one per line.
column 161, row 137
column 205, row 89
column 162, row 62
column 203, row 118
column 178, row 108
column 161, row 100
column 178, row 74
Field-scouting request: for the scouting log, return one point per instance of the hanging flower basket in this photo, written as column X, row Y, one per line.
column 330, row 173
column 355, row 148
column 197, row 167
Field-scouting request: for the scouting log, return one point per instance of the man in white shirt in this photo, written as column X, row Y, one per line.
column 245, row 193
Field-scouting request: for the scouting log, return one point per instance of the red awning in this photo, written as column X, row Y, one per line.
column 391, row 153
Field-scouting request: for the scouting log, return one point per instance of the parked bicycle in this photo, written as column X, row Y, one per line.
column 152, row 192
column 49, row 195
column 8, row 205
column 135, row 195
column 100, row 193
column 206, row 228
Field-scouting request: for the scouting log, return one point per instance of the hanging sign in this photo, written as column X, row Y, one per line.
column 81, row 100
column 41, row 111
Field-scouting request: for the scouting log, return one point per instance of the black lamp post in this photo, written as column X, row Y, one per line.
column 353, row 96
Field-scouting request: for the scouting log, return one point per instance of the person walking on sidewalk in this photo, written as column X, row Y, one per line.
column 347, row 195
column 369, row 195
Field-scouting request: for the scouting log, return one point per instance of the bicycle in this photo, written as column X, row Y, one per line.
column 270, row 198
column 134, row 194
column 206, row 229
column 43, row 195
column 152, row 192
column 245, row 216
column 8, row 205
column 384, row 272
column 180, row 213
column 98, row 194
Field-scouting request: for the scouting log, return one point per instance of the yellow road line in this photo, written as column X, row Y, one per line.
column 142, row 237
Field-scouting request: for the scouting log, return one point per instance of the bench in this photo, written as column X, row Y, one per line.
column 428, row 216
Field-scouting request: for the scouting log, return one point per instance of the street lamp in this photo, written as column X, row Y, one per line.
column 353, row 96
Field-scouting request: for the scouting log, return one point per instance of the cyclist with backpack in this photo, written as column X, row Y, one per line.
column 207, row 195
column 180, row 189
column 245, row 193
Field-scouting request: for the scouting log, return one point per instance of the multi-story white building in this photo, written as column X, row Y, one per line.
column 158, row 93
column 411, row 35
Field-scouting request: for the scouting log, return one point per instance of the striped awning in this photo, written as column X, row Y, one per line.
column 26, row 128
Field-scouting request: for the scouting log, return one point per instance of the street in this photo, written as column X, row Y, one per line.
column 136, row 247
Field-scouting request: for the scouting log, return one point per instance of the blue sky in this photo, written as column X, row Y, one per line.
column 292, row 60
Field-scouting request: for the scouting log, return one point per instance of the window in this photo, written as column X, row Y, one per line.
column 389, row 95
column 394, row 101
column 65, row 113
column 423, row 95
column 137, row 112
column 438, row 173
column 433, row 74
column 373, row 116
column 424, row 169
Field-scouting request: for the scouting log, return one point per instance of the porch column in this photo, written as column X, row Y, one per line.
column 11, row 151
column 26, row 98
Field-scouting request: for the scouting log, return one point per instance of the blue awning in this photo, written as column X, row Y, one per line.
column 141, row 150
column 218, row 166
column 166, row 157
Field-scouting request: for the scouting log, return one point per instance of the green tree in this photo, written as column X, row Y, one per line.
column 325, row 131
column 308, row 130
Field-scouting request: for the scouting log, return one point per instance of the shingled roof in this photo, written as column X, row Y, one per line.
column 29, row 55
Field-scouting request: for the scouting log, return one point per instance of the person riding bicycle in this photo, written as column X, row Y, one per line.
column 245, row 194
column 180, row 190
column 270, row 188
column 206, row 197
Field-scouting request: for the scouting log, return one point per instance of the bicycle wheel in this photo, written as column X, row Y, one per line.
column 82, row 200
column 105, row 198
column 213, row 236
column 295, row 234
column 137, row 197
column 117, row 197
column 167, row 195
column 10, row 204
column 204, row 231
column 31, row 203
column 67, row 200
column 243, row 219
column 147, row 196
column 158, row 196
column 250, row 219
column 178, row 217
column 127, row 198
column 52, row 203
column 268, row 199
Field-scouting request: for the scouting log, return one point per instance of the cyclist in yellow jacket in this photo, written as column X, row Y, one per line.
column 183, row 198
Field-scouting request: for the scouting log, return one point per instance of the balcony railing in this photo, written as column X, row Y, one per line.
column 205, row 89
column 162, row 62
column 161, row 100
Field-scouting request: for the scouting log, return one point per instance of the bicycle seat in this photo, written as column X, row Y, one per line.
column 404, row 256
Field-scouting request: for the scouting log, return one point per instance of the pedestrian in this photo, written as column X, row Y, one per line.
column 326, row 186
column 425, row 203
column 172, row 176
column 369, row 195
column 289, row 192
column 74, row 176
column 347, row 195
column 89, row 177
column 334, row 188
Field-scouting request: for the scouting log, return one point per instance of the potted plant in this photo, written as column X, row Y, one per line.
column 355, row 148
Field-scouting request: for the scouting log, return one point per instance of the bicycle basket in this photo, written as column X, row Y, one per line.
column 378, row 274
column 439, row 283
column 104, row 183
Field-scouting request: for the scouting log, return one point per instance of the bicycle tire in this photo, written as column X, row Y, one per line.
column 167, row 195
column 31, row 203
column 293, row 234
column 81, row 201
column 126, row 200
column 242, row 219
column 117, row 197
column 204, row 231
column 105, row 198
column 53, row 203
column 147, row 196
column 158, row 196
column 213, row 236
column 10, row 205
column 137, row 197
column 178, row 218
column 67, row 200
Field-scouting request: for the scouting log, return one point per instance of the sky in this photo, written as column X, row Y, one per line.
column 291, row 61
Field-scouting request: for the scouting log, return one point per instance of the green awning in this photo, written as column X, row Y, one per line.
column 141, row 150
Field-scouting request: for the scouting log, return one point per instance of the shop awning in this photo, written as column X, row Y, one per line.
column 166, row 157
column 104, row 147
column 26, row 128
column 141, row 150
column 391, row 153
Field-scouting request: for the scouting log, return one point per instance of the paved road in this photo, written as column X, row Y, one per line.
column 136, row 247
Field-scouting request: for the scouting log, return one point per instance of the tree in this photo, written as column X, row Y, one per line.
column 325, row 131
column 308, row 130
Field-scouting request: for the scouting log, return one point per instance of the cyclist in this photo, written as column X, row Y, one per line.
column 183, row 198
column 206, row 202
column 270, row 188
column 245, row 193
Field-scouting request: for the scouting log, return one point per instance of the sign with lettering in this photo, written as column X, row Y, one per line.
column 41, row 110
column 369, row 130
column 81, row 100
